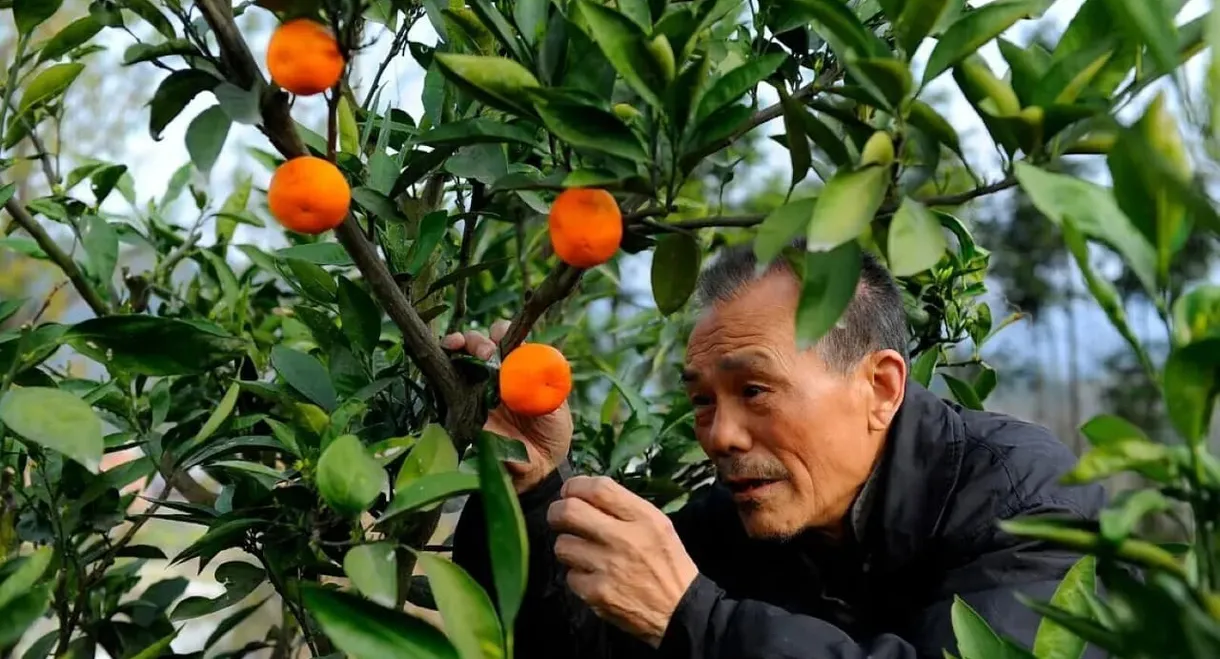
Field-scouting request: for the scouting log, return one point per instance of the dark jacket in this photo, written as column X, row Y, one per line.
column 923, row 529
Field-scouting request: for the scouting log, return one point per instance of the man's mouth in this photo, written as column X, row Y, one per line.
column 749, row 488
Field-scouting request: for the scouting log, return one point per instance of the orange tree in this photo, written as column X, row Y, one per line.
column 309, row 385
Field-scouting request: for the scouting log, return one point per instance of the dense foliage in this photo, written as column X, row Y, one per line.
column 296, row 405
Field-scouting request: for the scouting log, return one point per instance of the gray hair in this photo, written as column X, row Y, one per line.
column 875, row 319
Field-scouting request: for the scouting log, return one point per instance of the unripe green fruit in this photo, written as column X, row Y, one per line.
column 878, row 150
column 663, row 54
column 625, row 111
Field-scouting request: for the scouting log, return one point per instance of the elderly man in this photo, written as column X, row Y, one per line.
column 851, row 504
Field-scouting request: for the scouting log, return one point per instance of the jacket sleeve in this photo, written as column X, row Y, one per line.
column 552, row 622
column 708, row 623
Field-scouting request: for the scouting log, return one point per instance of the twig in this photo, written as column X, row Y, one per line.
column 400, row 40
column 557, row 286
column 465, row 253
column 57, row 256
column 746, row 221
column 766, row 114
column 43, row 155
column 46, row 303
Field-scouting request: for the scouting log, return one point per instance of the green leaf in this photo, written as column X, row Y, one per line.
column 1093, row 210
column 922, row 116
column 846, row 206
column 1118, row 520
column 796, row 139
column 624, row 43
column 1069, row 534
column 68, row 39
column 497, row 81
column 924, row 366
column 675, row 270
column 590, row 127
column 349, row 133
column 29, row 14
column 886, row 79
column 377, row 204
column 634, row 440
column 975, row 638
column 49, row 84
column 160, row 647
column 304, row 373
column 916, row 240
column 838, row 25
column 507, row 540
column 829, row 283
column 364, row 630
column 1191, row 382
column 1152, row 23
column 825, row 139
column 57, row 420
column 101, row 243
column 1147, row 194
column 963, row 392
column 315, row 282
column 373, row 569
column 425, row 492
column 205, row 137
column 146, row 52
column 174, row 93
column 530, row 17
column 731, row 86
column 916, row 21
column 23, row 572
column 1054, row 641
column 434, row 453
column 1118, row 446
column 476, row 130
column 214, row 421
column 781, row 227
column 360, row 315
column 348, row 478
column 470, row 619
column 1066, row 78
column 431, row 231
column 976, row 28
column 22, row 613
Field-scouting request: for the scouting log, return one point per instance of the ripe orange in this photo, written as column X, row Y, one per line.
column 303, row 57
column 309, row 195
column 535, row 379
column 586, row 226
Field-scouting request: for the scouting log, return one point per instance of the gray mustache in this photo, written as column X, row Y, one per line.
column 741, row 467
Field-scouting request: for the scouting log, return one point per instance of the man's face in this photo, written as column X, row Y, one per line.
column 793, row 439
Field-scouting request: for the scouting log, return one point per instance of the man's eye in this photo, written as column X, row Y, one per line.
column 701, row 401
column 751, row 391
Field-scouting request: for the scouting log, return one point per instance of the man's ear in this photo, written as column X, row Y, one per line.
column 888, row 381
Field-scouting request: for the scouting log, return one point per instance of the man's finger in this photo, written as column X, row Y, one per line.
column 479, row 345
column 579, row 553
column 579, row 518
column 455, row 341
column 499, row 329
column 605, row 495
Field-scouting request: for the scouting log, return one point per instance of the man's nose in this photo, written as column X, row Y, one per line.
column 728, row 433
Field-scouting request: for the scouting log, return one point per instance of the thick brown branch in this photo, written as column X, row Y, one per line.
column 556, row 287
column 57, row 256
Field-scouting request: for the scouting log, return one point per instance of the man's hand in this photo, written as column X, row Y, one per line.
column 624, row 558
column 546, row 438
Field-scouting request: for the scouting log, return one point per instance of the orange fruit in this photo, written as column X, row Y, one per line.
column 309, row 195
column 586, row 226
column 303, row 57
column 535, row 379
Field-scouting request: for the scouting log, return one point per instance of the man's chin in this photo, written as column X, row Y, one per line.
column 764, row 521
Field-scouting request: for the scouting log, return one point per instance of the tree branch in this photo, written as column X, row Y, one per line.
column 423, row 348
column 557, row 286
column 747, row 221
column 57, row 256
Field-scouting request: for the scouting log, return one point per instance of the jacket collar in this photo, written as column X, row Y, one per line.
column 903, row 502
